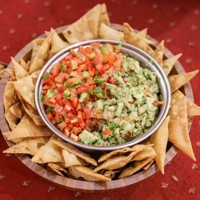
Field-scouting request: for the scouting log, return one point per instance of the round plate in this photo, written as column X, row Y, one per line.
column 77, row 184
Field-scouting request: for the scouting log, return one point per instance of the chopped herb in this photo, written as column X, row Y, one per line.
column 63, row 67
column 49, row 109
column 67, row 94
column 96, row 90
column 46, row 76
column 112, row 125
column 50, row 93
column 41, row 97
column 98, row 80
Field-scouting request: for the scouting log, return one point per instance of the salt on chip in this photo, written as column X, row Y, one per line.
column 27, row 128
column 73, row 150
column 109, row 33
column 159, row 139
column 86, row 173
column 137, row 166
column 19, row 71
column 42, row 55
column 25, row 88
column 27, row 146
column 132, row 38
column 49, row 153
column 57, row 44
column 71, row 159
column 178, row 125
column 168, row 63
column 192, row 108
column 159, row 52
column 115, row 162
column 177, row 81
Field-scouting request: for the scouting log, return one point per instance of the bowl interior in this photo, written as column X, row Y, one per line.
column 145, row 60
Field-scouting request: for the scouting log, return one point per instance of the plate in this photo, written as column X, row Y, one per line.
column 85, row 185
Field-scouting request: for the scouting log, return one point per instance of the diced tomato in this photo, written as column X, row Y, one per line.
column 50, row 116
column 87, row 111
column 74, row 101
column 61, row 89
column 82, row 124
column 74, row 137
column 78, row 107
column 56, row 70
column 112, row 58
column 60, row 78
column 82, row 89
column 98, row 58
column 70, row 126
column 67, row 108
column 76, row 130
column 157, row 102
column 58, row 117
column 69, row 57
column 107, row 132
column 60, row 102
column 92, row 71
column 125, row 80
column 67, row 120
column 82, row 67
column 111, row 80
column 66, row 131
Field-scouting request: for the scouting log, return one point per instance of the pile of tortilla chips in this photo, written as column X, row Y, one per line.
column 31, row 136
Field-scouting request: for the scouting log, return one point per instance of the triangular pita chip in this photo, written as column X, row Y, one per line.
column 48, row 153
column 27, row 128
column 178, row 125
column 24, row 64
column 177, row 81
column 71, row 159
column 192, row 108
column 159, row 51
column 36, row 44
column 11, row 119
column 132, row 38
column 168, row 64
column 17, row 110
column 57, row 169
column 142, row 34
column 109, row 33
column 73, row 150
column 19, row 71
column 159, row 139
column 87, row 174
column 104, row 18
column 27, row 146
column 42, row 55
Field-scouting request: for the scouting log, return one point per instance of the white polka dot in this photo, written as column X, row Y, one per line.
column 1, row 12
column 4, row 47
column 134, row 2
column 197, row 12
column 151, row 21
column 68, row 7
column 193, row 27
column 188, row 60
column 130, row 17
column 168, row 40
column 47, row 3
column 172, row 24
column 19, row 15
column 12, row 31
column 27, row 1
column 191, row 44
column 155, row 6
column 34, row 35
column 40, row 19
column 177, row 9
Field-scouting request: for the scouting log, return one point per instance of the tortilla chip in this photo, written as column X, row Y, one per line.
column 6, row 135
column 24, row 64
column 36, row 44
column 25, row 88
column 87, row 174
column 142, row 34
column 42, row 55
column 57, row 169
column 159, row 51
column 148, row 165
column 110, row 174
column 192, row 108
column 146, row 153
column 19, row 71
column 49, row 153
column 137, row 166
column 17, row 110
column 116, row 162
column 160, row 140
column 104, row 18
column 11, row 119
column 178, row 125
column 57, row 44
column 71, row 159
column 109, row 33
column 9, row 95
column 73, row 150
column 27, row 146
column 177, row 81
column 132, row 38
column 168, row 64
column 26, row 128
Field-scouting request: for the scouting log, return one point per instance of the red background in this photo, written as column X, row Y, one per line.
column 177, row 22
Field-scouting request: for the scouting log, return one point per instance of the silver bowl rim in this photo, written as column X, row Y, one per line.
column 163, row 84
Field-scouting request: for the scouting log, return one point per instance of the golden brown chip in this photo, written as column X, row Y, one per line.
column 160, row 140
column 36, row 44
column 11, row 119
column 17, row 110
column 42, row 55
column 57, row 169
column 87, row 174
column 178, row 125
column 73, row 150
column 177, row 81
column 109, row 33
column 19, row 71
column 49, row 153
column 169, row 63
column 24, row 64
column 142, row 34
column 27, row 146
column 192, row 108
column 132, row 38
column 110, row 174
column 137, row 166
column 159, row 52
column 148, row 165
column 71, row 159
column 104, row 18
column 26, row 128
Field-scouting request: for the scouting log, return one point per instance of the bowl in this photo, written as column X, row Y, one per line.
column 145, row 60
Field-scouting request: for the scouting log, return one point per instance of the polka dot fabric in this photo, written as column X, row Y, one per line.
column 177, row 22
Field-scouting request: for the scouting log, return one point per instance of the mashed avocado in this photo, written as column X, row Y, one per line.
column 130, row 111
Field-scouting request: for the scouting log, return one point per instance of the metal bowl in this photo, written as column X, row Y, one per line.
column 145, row 60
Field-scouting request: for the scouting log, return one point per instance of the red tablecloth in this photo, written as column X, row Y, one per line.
column 177, row 22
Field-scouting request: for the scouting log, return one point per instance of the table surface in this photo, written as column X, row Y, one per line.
column 177, row 22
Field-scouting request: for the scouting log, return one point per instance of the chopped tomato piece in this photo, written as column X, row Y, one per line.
column 60, row 78
column 107, row 132
column 157, row 102
column 87, row 111
column 50, row 116
column 82, row 89
column 56, row 70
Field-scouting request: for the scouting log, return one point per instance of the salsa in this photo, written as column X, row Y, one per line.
column 100, row 96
